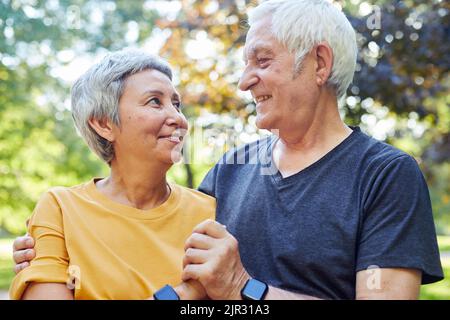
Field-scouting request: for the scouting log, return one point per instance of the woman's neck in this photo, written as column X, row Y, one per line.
column 139, row 186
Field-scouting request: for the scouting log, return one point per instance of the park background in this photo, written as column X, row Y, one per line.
column 400, row 93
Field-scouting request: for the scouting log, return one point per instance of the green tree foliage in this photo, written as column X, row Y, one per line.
column 401, row 86
column 402, row 78
column 39, row 147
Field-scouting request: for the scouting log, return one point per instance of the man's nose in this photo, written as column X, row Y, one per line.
column 247, row 80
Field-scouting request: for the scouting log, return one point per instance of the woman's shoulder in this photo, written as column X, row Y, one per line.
column 54, row 198
column 65, row 191
column 49, row 208
column 195, row 198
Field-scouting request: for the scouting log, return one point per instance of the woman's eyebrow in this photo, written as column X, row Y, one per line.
column 155, row 92
column 175, row 96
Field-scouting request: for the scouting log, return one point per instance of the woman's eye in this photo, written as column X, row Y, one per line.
column 177, row 104
column 154, row 102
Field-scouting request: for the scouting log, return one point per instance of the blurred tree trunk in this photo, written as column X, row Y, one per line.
column 189, row 176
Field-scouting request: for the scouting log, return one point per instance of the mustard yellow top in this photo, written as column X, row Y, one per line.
column 105, row 250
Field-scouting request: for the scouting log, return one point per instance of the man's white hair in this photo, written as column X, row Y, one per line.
column 301, row 24
column 96, row 94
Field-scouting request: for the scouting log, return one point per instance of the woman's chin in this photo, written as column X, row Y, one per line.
column 175, row 156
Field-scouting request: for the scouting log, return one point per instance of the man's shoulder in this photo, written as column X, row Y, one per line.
column 379, row 153
column 376, row 159
column 248, row 152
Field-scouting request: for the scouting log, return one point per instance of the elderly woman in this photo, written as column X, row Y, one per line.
column 119, row 237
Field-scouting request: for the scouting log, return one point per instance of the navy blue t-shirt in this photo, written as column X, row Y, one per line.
column 365, row 203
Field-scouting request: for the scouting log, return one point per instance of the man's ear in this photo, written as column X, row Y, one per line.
column 103, row 127
column 324, row 58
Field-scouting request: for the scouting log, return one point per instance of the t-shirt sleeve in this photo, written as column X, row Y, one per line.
column 208, row 184
column 51, row 262
column 397, row 228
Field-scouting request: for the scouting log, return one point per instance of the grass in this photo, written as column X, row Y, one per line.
column 6, row 273
column 439, row 290
column 435, row 291
column 444, row 243
column 6, row 263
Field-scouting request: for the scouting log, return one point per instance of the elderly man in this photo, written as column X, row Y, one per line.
column 338, row 204
column 318, row 210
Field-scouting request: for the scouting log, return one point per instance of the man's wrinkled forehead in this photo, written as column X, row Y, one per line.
column 259, row 47
column 259, row 39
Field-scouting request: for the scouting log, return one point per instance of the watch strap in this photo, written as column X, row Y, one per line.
column 166, row 293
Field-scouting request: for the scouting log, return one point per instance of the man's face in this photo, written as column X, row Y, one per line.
column 285, row 100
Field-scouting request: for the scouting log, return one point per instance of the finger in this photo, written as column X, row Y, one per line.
column 211, row 228
column 25, row 242
column 23, row 255
column 194, row 256
column 20, row 267
column 199, row 241
column 192, row 271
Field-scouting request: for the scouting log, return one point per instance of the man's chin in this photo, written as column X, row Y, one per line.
column 263, row 123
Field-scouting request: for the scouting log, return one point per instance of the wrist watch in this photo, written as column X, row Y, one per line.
column 166, row 293
column 254, row 290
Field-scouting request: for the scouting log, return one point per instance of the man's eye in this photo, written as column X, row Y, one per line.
column 263, row 61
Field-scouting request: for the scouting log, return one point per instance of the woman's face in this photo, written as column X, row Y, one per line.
column 152, row 125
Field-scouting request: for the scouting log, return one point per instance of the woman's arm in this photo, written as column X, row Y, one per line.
column 47, row 291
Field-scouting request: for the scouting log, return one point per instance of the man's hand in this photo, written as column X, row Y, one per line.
column 212, row 257
column 23, row 252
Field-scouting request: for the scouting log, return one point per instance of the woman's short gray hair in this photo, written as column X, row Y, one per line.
column 96, row 94
column 302, row 24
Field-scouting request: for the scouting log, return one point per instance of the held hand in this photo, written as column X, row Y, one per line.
column 212, row 257
column 191, row 290
column 23, row 252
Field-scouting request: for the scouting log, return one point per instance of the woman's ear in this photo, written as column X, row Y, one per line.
column 103, row 127
column 324, row 58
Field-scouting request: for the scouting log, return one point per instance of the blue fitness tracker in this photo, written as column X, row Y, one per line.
column 166, row 293
column 254, row 290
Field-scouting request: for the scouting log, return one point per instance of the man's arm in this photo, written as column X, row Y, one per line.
column 212, row 257
column 23, row 252
column 372, row 284
column 388, row 283
column 47, row 291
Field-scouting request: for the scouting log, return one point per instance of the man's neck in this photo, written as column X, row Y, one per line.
column 298, row 149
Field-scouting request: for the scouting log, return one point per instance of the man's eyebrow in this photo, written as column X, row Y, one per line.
column 253, row 51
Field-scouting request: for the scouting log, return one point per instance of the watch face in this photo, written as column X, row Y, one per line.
column 254, row 290
column 166, row 293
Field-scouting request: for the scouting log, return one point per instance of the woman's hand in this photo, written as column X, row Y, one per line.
column 191, row 290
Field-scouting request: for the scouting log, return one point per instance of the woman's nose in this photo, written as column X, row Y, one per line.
column 175, row 117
